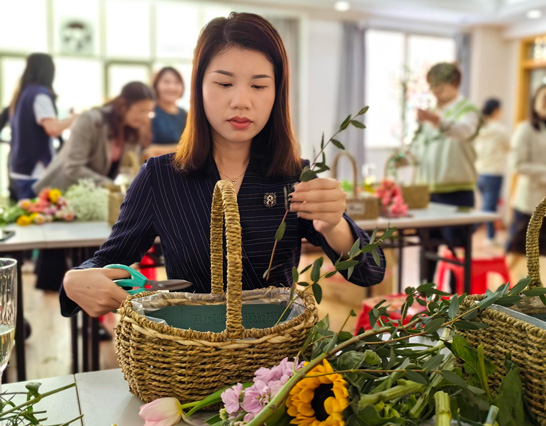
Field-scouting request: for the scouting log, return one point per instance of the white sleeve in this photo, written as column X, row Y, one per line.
column 462, row 129
column 43, row 108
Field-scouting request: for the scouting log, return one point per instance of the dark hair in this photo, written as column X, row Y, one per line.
column 535, row 118
column 160, row 75
column 39, row 70
column 444, row 73
column 275, row 147
column 130, row 94
column 490, row 106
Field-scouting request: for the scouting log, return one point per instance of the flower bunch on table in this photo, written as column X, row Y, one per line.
column 50, row 205
column 390, row 196
column 382, row 376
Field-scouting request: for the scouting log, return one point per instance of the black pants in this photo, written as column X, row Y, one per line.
column 450, row 235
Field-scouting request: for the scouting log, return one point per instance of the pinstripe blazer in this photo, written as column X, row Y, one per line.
column 176, row 207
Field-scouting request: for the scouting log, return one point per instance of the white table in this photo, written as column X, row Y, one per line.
column 434, row 216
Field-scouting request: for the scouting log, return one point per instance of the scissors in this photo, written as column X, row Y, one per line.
column 139, row 283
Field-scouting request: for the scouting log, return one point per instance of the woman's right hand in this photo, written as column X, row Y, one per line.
column 94, row 289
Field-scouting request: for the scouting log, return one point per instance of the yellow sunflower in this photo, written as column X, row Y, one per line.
column 320, row 400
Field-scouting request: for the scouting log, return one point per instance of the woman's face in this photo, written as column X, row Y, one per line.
column 138, row 115
column 540, row 103
column 169, row 88
column 238, row 94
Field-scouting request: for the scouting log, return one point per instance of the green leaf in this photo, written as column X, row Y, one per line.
column 388, row 233
column 520, row 286
column 374, row 234
column 280, row 232
column 295, row 274
column 453, row 307
column 330, row 274
column 303, row 283
column 508, row 300
column 304, row 270
column 471, row 315
column 376, row 259
column 434, row 325
column 433, row 362
column 352, row 313
column 315, row 272
column 322, row 141
column 539, row 291
column 424, row 287
column 467, row 325
column 350, row 271
column 317, row 292
column 416, row 377
column 363, row 110
column 338, row 144
column 454, row 378
column 509, row 400
column 345, row 123
column 355, row 249
column 307, row 175
column 358, row 124
column 292, row 290
column 345, row 264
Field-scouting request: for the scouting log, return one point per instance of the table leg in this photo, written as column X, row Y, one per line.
column 75, row 351
column 424, row 235
column 468, row 259
column 94, row 344
column 400, row 259
column 85, row 346
column 19, row 321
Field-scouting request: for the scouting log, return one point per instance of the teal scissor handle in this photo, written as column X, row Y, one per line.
column 129, row 284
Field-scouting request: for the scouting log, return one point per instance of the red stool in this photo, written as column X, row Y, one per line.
column 480, row 269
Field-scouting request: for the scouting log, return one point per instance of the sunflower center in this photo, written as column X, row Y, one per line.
column 322, row 393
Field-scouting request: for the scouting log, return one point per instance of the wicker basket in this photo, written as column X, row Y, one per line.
column 359, row 206
column 416, row 196
column 115, row 199
column 162, row 361
column 525, row 342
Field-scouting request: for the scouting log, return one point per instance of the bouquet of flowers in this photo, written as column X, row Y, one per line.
column 392, row 202
column 50, row 205
column 391, row 374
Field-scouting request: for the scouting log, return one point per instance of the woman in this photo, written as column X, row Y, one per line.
column 492, row 146
column 528, row 158
column 33, row 124
column 169, row 119
column 99, row 139
column 238, row 130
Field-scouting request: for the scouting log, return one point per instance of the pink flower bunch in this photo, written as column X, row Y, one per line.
column 246, row 403
column 392, row 202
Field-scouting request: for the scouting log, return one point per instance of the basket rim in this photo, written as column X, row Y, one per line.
column 127, row 311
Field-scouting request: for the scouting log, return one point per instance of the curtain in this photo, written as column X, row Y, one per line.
column 463, row 44
column 351, row 95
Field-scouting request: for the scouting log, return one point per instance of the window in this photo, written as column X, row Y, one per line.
column 396, row 67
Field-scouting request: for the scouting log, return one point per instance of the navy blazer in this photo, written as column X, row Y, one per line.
column 164, row 202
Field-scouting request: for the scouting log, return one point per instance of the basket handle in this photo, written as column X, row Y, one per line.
column 532, row 244
column 353, row 164
column 411, row 158
column 224, row 205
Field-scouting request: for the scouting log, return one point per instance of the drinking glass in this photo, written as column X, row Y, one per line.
column 8, row 310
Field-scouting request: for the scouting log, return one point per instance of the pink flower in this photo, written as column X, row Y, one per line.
column 68, row 216
column 161, row 412
column 256, row 397
column 231, row 397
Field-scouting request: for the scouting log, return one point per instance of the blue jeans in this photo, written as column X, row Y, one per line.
column 23, row 188
column 490, row 187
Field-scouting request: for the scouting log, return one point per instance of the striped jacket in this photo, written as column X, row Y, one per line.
column 176, row 207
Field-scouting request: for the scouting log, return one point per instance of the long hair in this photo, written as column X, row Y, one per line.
column 39, row 70
column 275, row 147
column 535, row 118
column 160, row 75
column 131, row 93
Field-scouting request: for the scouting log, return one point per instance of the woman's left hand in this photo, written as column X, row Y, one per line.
column 321, row 200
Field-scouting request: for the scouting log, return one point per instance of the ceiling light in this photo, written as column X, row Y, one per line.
column 342, row 6
column 534, row 14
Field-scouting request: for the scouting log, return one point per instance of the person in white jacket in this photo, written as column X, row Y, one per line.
column 492, row 147
column 528, row 159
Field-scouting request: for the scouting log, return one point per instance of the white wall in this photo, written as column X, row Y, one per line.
column 323, row 67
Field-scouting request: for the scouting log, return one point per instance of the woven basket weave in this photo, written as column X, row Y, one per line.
column 416, row 196
column 526, row 343
column 162, row 361
column 359, row 206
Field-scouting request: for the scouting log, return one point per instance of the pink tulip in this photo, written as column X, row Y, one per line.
column 161, row 412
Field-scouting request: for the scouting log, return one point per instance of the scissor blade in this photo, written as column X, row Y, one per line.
column 167, row 284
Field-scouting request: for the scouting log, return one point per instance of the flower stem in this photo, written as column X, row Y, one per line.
column 443, row 409
column 36, row 399
column 405, row 387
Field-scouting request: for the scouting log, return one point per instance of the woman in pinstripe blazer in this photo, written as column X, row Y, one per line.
column 238, row 130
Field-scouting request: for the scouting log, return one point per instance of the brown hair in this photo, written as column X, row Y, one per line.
column 275, row 147
column 444, row 73
column 131, row 93
column 160, row 75
column 535, row 118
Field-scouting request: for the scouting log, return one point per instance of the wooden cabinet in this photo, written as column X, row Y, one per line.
column 532, row 72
